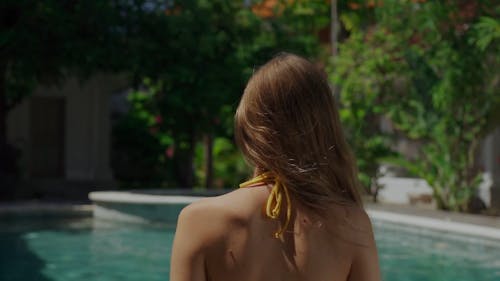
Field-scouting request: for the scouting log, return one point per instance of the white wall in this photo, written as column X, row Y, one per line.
column 87, row 125
column 491, row 159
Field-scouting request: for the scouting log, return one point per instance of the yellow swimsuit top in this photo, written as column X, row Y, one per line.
column 275, row 199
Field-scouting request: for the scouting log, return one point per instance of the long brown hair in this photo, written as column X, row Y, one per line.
column 287, row 123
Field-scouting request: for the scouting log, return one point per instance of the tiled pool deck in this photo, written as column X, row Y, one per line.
column 478, row 220
column 466, row 224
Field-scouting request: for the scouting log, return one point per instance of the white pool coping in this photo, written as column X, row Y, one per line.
column 137, row 198
column 436, row 224
column 426, row 222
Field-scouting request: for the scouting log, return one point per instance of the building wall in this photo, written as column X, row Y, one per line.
column 399, row 190
column 86, row 131
column 491, row 160
column 18, row 126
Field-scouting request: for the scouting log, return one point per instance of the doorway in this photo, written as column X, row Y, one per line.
column 47, row 137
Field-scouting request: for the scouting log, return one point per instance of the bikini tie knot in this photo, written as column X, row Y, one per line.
column 275, row 200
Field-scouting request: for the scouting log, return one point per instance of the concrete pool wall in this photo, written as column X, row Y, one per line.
column 139, row 208
column 144, row 206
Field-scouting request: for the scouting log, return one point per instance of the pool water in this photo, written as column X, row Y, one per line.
column 86, row 250
column 72, row 250
column 408, row 254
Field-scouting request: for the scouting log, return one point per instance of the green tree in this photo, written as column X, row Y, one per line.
column 364, row 72
column 204, row 54
column 196, row 60
column 194, row 54
column 434, row 70
column 42, row 42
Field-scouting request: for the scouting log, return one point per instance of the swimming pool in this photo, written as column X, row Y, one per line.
column 87, row 249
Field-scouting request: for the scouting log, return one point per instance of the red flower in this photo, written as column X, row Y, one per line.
column 169, row 152
column 354, row 6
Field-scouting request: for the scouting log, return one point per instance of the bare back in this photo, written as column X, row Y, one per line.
column 229, row 238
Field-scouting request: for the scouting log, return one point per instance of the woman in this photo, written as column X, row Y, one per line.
column 300, row 217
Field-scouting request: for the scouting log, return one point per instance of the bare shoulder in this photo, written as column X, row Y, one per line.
column 365, row 264
column 358, row 216
column 206, row 218
column 202, row 228
column 214, row 217
column 361, row 224
column 352, row 224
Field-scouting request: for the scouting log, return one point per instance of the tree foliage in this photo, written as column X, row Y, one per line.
column 364, row 71
column 204, row 54
column 431, row 67
column 42, row 42
column 192, row 56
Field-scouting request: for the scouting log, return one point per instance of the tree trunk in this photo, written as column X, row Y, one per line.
column 375, row 188
column 3, row 121
column 209, row 145
column 334, row 38
column 184, row 165
column 334, row 27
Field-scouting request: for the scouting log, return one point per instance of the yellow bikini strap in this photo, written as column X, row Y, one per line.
column 275, row 199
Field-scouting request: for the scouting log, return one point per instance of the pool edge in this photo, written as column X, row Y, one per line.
column 436, row 224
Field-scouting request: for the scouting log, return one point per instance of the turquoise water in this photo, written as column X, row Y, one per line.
column 86, row 250
column 409, row 254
